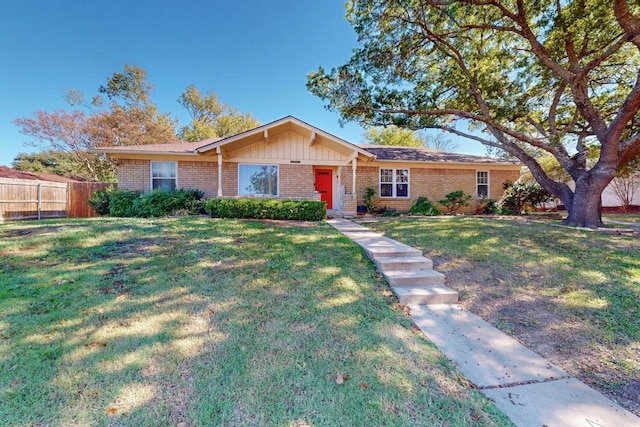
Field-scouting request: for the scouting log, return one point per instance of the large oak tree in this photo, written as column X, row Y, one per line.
column 534, row 77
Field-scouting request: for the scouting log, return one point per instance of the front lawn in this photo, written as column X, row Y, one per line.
column 571, row 296
column 622, row 217
column 196, row 321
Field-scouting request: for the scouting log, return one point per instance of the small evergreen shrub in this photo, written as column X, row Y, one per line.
column 165, row 203
column 370, row 200
column 455, row 201
column 122, row 203
column 423, row 206
column 390, row 212
column 492, row 207
column 126, row 203
column 486, row 206
column 517, row 195
column 99, row 200
column 266, row 209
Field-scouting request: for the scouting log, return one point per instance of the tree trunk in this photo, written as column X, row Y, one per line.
column 585, row 209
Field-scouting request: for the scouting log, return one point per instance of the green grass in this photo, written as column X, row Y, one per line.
column 572, row 296
column 197, row 321
column 628, row 217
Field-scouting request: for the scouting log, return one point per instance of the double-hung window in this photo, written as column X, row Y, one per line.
column 164, row 176
column 394, row 182
column 482, row 184
column 257, row 180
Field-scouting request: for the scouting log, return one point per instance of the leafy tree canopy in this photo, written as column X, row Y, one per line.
column 393, row 135
column 123, row 113
column 53, row 162
column 211, row 118
column 534, row 76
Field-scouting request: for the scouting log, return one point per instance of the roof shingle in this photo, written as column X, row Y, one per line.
column 426, row 154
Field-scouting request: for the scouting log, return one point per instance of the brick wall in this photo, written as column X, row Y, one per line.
column 433, row 184
column 296, row 181
column 229, row 180
column 496, row 179
column 349, row 204
column 199, row 175
column 134, row 175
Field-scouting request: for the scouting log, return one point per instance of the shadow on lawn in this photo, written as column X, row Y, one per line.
column 205, row 321
column 570, row 295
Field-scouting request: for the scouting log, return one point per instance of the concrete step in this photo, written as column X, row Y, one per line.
column 413, row 277
column 403, row 263
column 386, row 248
column 425, row 295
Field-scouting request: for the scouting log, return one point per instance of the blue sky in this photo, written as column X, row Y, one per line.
column 254, row 54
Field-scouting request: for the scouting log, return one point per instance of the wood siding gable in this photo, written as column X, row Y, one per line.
column 286, row 147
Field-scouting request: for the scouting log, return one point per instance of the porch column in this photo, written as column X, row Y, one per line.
column 353, row 174
column 219, row 151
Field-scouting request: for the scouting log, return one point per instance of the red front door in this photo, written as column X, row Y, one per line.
column 324, row 180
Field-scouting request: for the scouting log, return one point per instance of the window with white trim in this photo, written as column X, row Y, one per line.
column 482, row 184
column 258, row 180
column 394, row 182
column 164, row 176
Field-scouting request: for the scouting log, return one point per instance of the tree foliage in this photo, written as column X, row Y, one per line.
column 53, row 162
column 534, row 76
column 393, row 135
column 211, row 118
column 72, row 133
column 126, row 117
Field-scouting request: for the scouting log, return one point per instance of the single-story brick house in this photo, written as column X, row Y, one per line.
column 290, row 159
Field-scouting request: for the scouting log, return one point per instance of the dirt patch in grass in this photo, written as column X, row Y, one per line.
column 37, row 231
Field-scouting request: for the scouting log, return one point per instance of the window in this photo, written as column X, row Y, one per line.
column 257, row 180
column 394, row 182
column 482, row 183
column 164, row 176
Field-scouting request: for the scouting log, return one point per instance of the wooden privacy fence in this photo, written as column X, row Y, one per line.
column 30, row 199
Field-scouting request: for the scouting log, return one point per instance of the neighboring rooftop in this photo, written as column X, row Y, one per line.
column 426, row 154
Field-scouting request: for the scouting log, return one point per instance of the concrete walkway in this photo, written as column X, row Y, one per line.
column 526, row 387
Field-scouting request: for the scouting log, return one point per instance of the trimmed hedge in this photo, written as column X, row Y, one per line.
column 266, row 209
column 126, row 203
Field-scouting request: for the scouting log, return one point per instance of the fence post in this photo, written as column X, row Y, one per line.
column 39, row 199
column 68, row 199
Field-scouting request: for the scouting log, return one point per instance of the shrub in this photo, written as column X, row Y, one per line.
column 99, row 200
column 390, row 212
column 423, row 206
column 266, row 209
column 126, row 203
column 122, row 203
column 370, row 200
column 492, row 207
column 517, row 195
column 487, row 207
column 455, row 201
column 165, row 203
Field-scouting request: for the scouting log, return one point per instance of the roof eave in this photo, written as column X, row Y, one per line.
column 130, row 152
